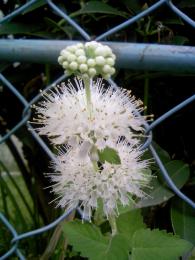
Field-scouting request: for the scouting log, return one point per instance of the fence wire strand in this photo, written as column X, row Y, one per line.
column 14, row 243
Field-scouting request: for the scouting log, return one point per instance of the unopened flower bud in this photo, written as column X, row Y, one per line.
column 65, row 64
column 71, row 57
column 79, row 52
column 81, row 59
column 60, row 60
column 92, row 72
column 110, row 61
column 100, row 51
column 91, row 62
column 106, row 69
column 80, row 45
column 108, row 50
column 113, row 56
column 112, row 71
column 92, row 45
column 73, row 65
column 83, row 68
column 71, row 48
column 64, row 53
column 100, row 60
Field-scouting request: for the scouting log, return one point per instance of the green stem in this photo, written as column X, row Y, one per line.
column 87, row 82
column 95, row 166
column 148, row 26
column 93, row 154
column 113, row 225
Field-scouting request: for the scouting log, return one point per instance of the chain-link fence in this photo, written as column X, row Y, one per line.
column 139, row 56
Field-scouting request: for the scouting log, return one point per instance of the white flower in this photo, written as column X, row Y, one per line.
column 77, row 182
column 64, row 116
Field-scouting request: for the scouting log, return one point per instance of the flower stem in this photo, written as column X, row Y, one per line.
column 113, row 225
column 87, row 83
column 95, row 166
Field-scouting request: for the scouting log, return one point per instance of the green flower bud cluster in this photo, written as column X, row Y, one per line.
column 88, row 60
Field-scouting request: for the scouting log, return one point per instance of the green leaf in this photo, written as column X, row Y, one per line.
column 110, row 155
column 17, row 188
column 187, row 4
column 3, row 66
column 179, row 173
column 164, row 156
column 93, row 7
column 116, row 249
column 18, row 28
column 129, row 223
column 14, row 202
column 192, row 255
column 55, row 26
column 35, row 6
column 87, row 239
column 133, row 5
column 180, row 40
column 173, row 20
column 155, row 244
column 182, row 218
column 192, row 181
column 124, row 209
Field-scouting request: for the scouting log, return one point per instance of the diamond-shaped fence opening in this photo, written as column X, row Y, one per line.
column 150, row 57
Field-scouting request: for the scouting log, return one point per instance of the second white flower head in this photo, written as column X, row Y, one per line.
column 76, row 182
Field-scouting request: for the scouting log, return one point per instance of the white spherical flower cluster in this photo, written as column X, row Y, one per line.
column 64, row 117
column 88, row 60
column 76, row 181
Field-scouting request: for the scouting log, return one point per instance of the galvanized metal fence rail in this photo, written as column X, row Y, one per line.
column 139, row 56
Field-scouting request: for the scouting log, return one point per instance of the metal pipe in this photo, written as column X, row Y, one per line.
column 135, row 56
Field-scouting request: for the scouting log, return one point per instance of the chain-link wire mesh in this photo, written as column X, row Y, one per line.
column 127, row 57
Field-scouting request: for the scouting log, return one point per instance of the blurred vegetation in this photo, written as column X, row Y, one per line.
column 22, row 198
